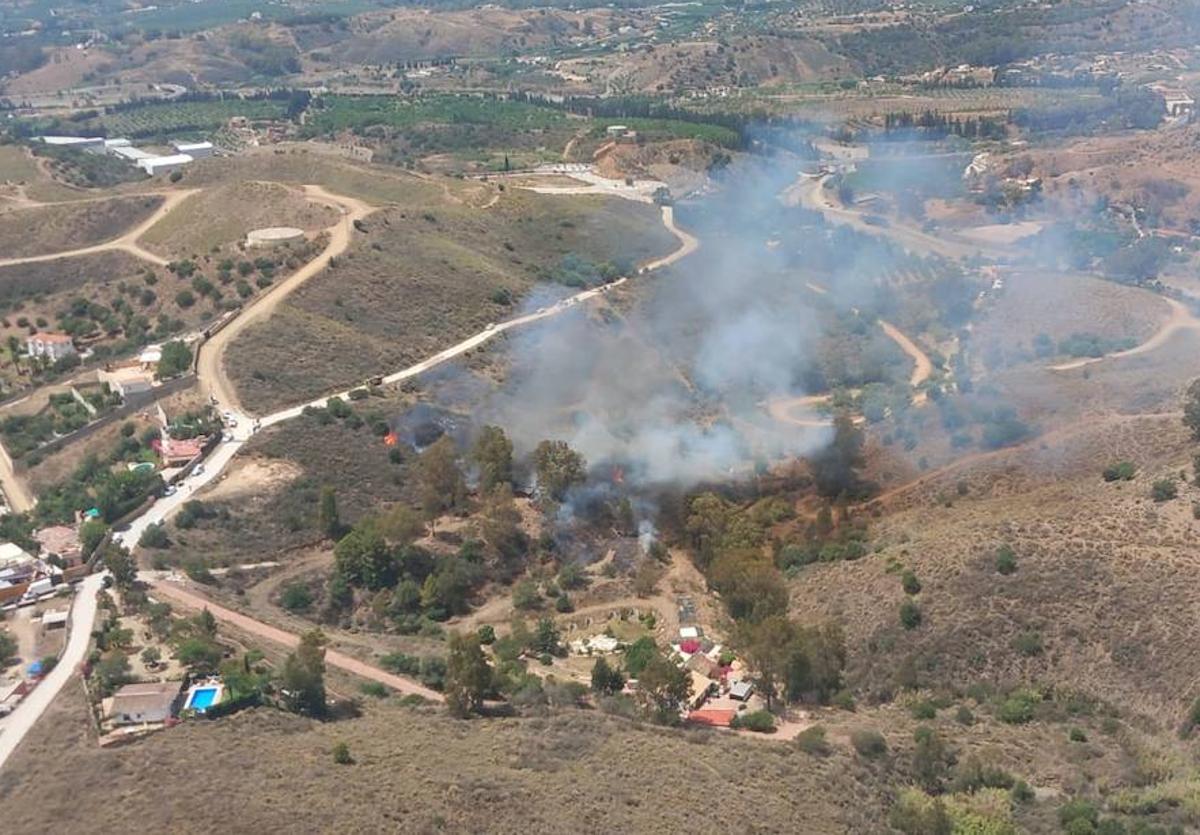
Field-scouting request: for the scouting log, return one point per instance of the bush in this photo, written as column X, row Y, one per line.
column 924, row 710
column 910, row 615
column 812, row 741
column 374, row 689
column 869, row 744
column 341, row 754
column 1028, row 643
column 1022, row 792
column 155, row 536
column 1164, row 490
column 964, row 716
column 1006, row 560
column 1077, row 735
column 910, row 583
column 1121, row 471
column 296, row 597
column 1019, row 707
column 1077, row 810
column 759, row 721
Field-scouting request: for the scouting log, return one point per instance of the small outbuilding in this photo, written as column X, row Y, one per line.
column 195, row 150
column 741, row 690
column 164, row 165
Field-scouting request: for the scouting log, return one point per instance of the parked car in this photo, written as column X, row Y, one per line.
column 171, row 490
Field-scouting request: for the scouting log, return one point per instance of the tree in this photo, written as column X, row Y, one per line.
column 442, row 485
column 328, row 520
column 930, row 758
column 910, row 615
column 638, row 654
column 341, row 754
column 910, row 583
column 206, row 624
column 400, row 525
column 118, row 561
column 364, row 559
column 199, row 655
column 750, row 584
column 8, row 649
column 525, row 595
column 835, row 469
column 558, row 468
column 663, row 688
column 303, row 676
column 546, row 638
column 176, row 359
column 14, row 352
column 501, row 525
column 468, row 676
column 492, row 453
column 606, row 679
column 1006, row 560
column 91, row 533
column 151, row 656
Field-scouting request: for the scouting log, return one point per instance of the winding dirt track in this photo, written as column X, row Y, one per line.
column 211, row 367
column 127, row 242
column 333, row 658
column 1180, row 318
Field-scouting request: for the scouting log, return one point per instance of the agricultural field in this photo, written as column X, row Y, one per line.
column 193, row 118
column 421, row 279
column 71, row 226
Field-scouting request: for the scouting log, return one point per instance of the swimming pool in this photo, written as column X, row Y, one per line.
column 202, row 698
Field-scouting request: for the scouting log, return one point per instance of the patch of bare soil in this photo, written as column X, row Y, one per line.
column 254, row 477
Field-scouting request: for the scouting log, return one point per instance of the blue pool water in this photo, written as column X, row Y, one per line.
column 202, row 698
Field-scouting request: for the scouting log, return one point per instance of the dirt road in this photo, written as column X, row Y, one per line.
column 922, row 366
column 127, row 242
column 211, row 367
column 15, row 491
column 811, row 193
column 189, row 600
column 687, row 243
column 1180, row 319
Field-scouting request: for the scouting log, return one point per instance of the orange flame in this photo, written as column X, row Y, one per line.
column 390, row 439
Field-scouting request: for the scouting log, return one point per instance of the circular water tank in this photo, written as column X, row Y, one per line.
column 274, row 235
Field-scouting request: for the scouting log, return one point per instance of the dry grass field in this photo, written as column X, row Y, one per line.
column 1059, row 306
column 219, row 218
column 68, row 226
column 421, row 279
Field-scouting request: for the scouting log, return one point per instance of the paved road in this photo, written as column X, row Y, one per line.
column 178, row 594
column 83, row 616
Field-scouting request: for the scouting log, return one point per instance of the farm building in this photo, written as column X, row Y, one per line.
column 130, row 153
column 78, row 143
column 163, row 165
column 53, row 346
column 135, row 704
column 195, row 150
column 126, row 380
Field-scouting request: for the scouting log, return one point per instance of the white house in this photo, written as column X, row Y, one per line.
column 134, row 704
column 53, row 346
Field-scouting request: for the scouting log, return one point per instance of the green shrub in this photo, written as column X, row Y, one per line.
column 374, row 689
column 759, row 721
column 1077, row 735
column 341, row 754
column 1164, row 490
column 812, row 741
column 1121, row 471
column 1028, row 643
column 924, row 710
column 296, row 597
column 910, row 615
column 869, row 744
column 1019, row 707
column 1022, row 792
column 1077, row 810
column 1006, row 560
column 910, row 583
column 964, row 716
